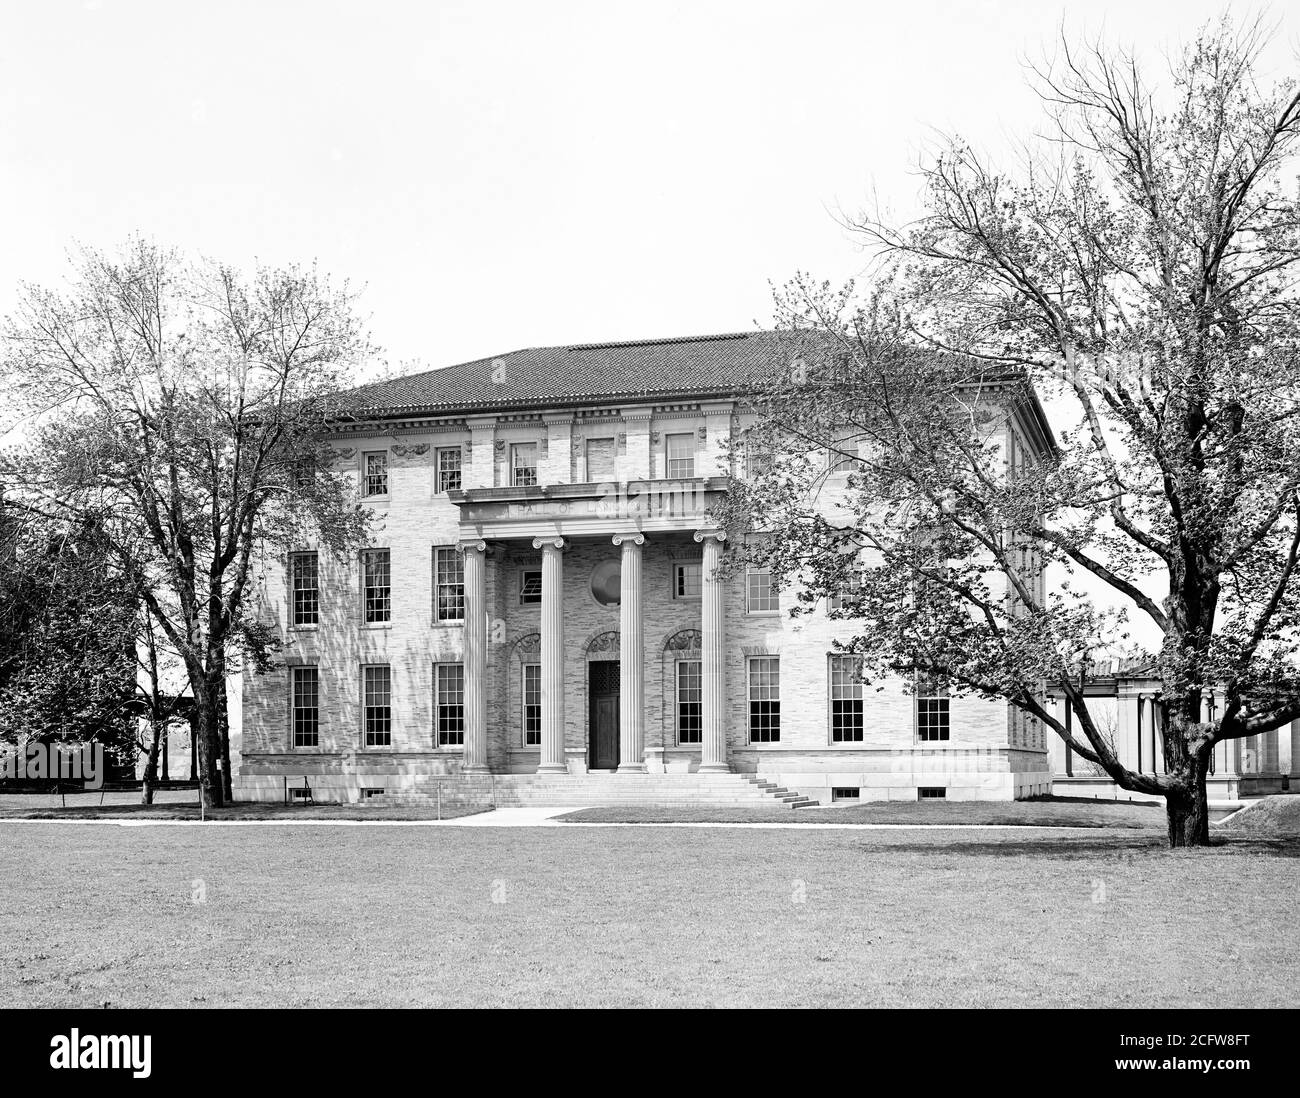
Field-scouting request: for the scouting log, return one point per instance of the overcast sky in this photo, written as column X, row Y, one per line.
column 514, row 174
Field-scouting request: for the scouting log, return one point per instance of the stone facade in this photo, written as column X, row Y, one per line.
column 596, row 533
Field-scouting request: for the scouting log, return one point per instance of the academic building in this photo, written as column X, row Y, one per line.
column 539, row 617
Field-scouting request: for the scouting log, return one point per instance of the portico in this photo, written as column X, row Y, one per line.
column 630, row 519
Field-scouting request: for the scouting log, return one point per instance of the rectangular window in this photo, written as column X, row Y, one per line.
column 690, row 714
column 931, row 710
column 376, row 584
column 686, row 581
column 375, row 473
column 303, row 567
column 304, row 473
column 306, row 707
column 760, row 595
column 448, row 585
column 600, row 460
column 377, row 704
column 846, row 598
column 758, row 459
column 681, row 456
column 846, row 792
column 532, row 692
column 842, row 454
column 449, row 703
column 523, row 464
column 764, row 699
column 932, row 792
column 846, row 699
column 448, row 465
column 530, row 587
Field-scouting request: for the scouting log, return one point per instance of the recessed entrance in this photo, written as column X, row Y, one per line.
column 602, row 716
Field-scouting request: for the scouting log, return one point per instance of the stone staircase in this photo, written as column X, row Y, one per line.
column 595, row 789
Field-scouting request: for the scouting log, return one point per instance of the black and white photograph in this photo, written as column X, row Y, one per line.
column 602, row 507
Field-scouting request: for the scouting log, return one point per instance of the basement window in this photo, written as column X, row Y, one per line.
column 371, row 791
column 845, row 793
column 931, row 792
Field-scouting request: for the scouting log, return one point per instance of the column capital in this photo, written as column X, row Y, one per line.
column 717, row 535
column 553, row 542
column 472, row 545
column 636, row 538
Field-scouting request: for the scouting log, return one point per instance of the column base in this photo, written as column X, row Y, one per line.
column 552, row 769
column 483, row 769
column 631, row 768
column 714, row 768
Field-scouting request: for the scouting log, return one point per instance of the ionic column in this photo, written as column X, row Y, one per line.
column 713, row 753
column 475, row 553
column 631, row 658
column 552, row 761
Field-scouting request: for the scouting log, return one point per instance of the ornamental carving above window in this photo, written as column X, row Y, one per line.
column 685, row 640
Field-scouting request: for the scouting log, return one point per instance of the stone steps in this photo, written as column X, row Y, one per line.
column 588, row 790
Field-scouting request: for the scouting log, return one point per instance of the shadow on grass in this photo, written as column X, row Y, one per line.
column 1069, row 849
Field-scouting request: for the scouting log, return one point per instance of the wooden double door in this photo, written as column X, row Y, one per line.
column 602, row 714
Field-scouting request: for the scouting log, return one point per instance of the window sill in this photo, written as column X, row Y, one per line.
column 377, row 625
column 438, row 623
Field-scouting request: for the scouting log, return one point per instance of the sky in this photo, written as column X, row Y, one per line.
column 505, row 175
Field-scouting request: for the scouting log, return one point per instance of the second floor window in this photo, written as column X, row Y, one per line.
column 449, row 687
column 523, row 464
column 681, row 456
column 764, row 699
column 690, row 714
column 376, row 585
column 846, row 700
column 532, row 691
column 600, row 459
column 306, row 588
column 686, row 581
column 449, row 469
column 306, row 707
column 530, row 587
column 760, row 594
column 846, row 597
column 448, row 585
column 931, row 709
column 375, row 473
column 377, row 705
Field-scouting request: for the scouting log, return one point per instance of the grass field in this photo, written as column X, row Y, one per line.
column 24, row 808
column 394, row 916
column 1054, row 812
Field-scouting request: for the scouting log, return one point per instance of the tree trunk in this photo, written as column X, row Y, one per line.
column 164, row 748
column 151, row 764
column 223, row 727
column 209, row 746
column 1189, row 818
column 194, row 745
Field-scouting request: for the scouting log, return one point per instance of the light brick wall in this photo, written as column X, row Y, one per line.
column 987, row 755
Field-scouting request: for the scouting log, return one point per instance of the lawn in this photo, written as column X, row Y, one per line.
column 1053, row 812
column 27, row 808
column 566, row 916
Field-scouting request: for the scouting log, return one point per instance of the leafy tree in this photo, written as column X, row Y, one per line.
column 1139, row 269
column 67, row 665
column 186, row 402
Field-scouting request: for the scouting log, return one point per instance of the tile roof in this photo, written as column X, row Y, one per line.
column 583, row 373
column 687, row 367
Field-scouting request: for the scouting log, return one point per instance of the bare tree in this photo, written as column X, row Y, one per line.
column 1139, row 268
column 184, row 404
